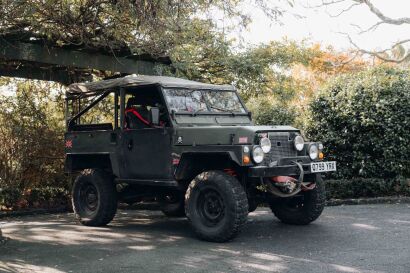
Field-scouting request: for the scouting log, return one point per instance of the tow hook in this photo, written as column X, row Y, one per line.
column 301, row 172
column 305, row 186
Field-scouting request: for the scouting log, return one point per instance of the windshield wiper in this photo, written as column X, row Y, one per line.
column 196, row 112
column 224, row 110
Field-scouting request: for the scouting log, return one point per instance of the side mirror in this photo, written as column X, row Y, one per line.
column 154, row 115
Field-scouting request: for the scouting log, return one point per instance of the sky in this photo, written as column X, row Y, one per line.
column 321, row 25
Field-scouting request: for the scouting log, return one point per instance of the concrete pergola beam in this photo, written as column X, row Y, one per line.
column 38, row 54
column 45, row 74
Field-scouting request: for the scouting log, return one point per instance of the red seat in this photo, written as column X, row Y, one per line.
column 136, row 117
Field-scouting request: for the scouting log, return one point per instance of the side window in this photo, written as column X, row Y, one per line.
column 100, row 116
column 101, row 113
column 138, row 105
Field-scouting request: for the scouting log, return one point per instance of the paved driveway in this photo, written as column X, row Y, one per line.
column 366, row 238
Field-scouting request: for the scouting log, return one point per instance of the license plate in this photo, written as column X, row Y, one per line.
column 319, row 167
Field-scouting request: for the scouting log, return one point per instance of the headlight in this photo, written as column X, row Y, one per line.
column 265, row 144
column 299, row 143
column 313, row 152
column 257, row 154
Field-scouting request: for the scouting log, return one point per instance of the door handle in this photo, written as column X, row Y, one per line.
column 113, row 138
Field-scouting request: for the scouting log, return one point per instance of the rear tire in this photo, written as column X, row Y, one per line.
column 216, row 206
column 301, row 210
column 94, row 198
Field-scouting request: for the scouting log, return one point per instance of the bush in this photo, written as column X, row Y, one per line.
column 47, row 196
column 9, row 197
column 31, row 150
column 265, row 111
column 43, row 197
column 366, row 187
column 363, row 120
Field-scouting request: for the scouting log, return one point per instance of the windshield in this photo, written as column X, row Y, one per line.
column 194, row 101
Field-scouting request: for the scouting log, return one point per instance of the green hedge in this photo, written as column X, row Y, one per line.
column 363, row 119
column 366, row 187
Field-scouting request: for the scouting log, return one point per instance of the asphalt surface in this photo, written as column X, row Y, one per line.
column 364, row 238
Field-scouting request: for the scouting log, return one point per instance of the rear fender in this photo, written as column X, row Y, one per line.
column 78, row 162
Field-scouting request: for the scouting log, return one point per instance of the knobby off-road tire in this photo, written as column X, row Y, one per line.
column 301, row 210
column 216, row 206
column 94, row 198
column 172, row 205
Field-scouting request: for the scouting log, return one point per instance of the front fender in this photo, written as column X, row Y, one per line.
column 193, row 163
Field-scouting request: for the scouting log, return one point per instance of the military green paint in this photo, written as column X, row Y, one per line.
column 223, row 135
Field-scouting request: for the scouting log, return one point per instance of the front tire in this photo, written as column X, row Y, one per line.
column 94, row 198
column 216, row 206
column 304, row 209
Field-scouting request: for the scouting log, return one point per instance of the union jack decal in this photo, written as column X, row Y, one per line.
column 69, row 143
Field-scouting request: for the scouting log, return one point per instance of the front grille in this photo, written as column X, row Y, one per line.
column 282, row 146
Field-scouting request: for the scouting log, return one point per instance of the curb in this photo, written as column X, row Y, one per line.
column 5, row 214
column 369, row 201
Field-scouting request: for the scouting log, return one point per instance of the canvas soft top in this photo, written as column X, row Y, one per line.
column 139, row 80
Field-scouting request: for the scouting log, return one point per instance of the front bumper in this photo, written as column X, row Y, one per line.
column 287, row 170
column 294, row 168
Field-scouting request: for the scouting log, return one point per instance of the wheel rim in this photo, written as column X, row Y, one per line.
column 89, row 198
column 211, row 207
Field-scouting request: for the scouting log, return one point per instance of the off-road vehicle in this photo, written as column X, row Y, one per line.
column 193, row 147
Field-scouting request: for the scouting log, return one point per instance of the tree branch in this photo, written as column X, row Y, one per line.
column 381, row 54
column 382, row 16
column 345, row 10
column 327, row 3
column 384, row 19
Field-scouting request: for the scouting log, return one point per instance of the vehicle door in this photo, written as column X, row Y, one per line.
column 146, row 152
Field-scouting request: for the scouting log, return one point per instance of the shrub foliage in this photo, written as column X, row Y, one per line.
column 31, row 150
column 366, row 187
column 363, row 119
column 266, row 111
